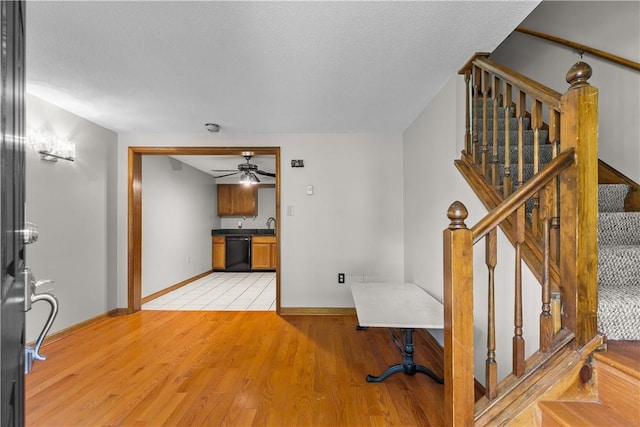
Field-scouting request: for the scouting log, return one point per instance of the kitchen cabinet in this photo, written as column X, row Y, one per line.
column 237, row 200
column 263, row 253
column 218, row 252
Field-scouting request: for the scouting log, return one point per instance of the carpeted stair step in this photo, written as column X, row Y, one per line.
column 618, row 228
column 527, row 137
column 545, row 153
column 513, row 123
column 611, row 197
column 619, row 292
column 527, row 172
column 618, row 265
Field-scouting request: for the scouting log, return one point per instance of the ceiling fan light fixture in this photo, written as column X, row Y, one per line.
column 249, row 178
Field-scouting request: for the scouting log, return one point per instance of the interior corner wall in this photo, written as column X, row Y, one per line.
column 351, row 224
column 68, row 201
column 611, row 26
column 179, row 213
column 431, row 183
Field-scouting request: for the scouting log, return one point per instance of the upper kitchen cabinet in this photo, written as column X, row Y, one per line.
column 237, row 200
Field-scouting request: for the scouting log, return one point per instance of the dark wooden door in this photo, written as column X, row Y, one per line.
column 12, row 295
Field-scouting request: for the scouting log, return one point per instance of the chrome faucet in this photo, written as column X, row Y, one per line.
column 270, row 221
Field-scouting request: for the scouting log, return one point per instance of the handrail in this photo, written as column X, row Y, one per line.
column 564, row 229
column 528, row 189
column 582, row 48
column 532, row 87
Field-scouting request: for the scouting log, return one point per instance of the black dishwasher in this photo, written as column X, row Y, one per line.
column 238, row 253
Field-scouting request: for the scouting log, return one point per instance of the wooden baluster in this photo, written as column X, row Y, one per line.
column 476, row 72
column 494, row 151
column 536, row 122
column 546, row 320
column 507, row 181
column 485, row 126
column 491, row 366
column 521, row 111
column 458, row 319
column 556, row 311
column 468, row 113
column 554, row 140
column 518, row 339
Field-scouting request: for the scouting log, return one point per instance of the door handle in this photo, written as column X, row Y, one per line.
column 53, row 301
column 32, row 296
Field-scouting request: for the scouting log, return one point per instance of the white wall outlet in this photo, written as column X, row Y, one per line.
column 309, row 190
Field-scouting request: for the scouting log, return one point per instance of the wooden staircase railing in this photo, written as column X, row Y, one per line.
column 562, row 223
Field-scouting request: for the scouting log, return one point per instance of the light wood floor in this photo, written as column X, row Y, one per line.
column 228, row 369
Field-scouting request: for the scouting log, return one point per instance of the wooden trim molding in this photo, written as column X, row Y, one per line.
column 82, row 325
column 316, row 311
column 174, row 287
column 582, row 48
column 134, row 220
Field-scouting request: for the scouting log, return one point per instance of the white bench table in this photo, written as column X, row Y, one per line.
column 398, row 305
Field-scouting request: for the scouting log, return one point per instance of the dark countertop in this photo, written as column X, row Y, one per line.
column 243, row 231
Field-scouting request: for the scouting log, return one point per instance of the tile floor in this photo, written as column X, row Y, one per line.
column 222, row 291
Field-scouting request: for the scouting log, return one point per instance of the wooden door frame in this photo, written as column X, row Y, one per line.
column 134, row 206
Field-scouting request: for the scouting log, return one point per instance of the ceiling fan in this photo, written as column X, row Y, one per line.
column 247, row 172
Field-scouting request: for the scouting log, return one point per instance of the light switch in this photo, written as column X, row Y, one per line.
column 309, row 190
column 290, row 210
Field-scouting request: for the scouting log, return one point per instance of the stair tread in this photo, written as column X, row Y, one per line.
column 570, row 413
column 622, row 355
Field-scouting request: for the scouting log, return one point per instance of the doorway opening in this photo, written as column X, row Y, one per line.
column 134, row 228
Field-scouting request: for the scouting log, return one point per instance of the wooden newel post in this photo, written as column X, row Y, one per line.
column 458, row 319
column 579, row 206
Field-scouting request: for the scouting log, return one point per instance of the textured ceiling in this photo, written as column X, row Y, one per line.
column 283, row 67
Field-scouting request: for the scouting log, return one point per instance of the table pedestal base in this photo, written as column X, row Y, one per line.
column 408, row 365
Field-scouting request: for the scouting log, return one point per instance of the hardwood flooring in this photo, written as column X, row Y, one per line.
column 228, row 369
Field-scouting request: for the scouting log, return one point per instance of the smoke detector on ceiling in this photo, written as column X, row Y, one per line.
column 212, row 127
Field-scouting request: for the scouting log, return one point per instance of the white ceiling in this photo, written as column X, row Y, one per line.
column 263, row 67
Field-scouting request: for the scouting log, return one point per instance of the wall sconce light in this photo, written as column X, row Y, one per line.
column 51, row 148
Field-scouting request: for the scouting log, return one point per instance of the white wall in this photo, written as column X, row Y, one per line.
column 431, row 184
column 178, row 213
column 610, row 26
column 266, row 209
column 352, row 223
column 69, row 203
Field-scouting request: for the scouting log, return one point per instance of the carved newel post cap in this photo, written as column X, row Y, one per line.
column 457, row 213
column 578, row 75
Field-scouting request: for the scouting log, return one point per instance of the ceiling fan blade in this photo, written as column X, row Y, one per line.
column 229, row 174
column 266, row 173
column 224, row 170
